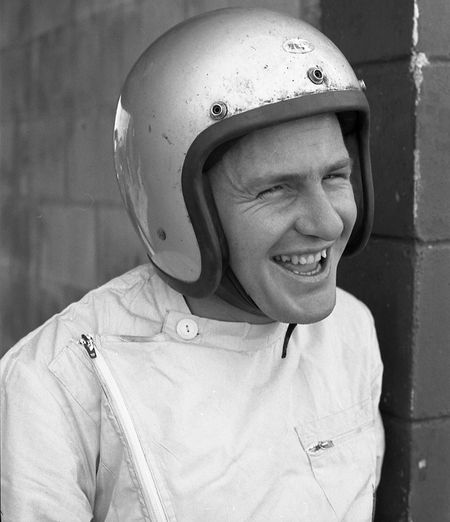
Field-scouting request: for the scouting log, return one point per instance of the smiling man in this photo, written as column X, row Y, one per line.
column 286, row 205
column 229, row 379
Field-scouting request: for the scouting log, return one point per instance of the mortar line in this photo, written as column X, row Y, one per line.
column 411, row 240
column 415, row 421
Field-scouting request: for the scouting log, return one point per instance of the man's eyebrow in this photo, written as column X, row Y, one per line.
column 340, row 164
column 269, row 177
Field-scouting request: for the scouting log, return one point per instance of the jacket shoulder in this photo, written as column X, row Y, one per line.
column 121, row 305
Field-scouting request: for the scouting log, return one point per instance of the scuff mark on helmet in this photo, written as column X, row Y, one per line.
column 167, row 139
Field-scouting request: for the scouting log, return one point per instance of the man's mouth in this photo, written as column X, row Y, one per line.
column 303, row 264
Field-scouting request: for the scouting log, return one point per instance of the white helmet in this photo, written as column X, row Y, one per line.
column 209, row 80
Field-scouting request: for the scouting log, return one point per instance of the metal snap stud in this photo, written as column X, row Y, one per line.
column 218, row 110
column 315, row 74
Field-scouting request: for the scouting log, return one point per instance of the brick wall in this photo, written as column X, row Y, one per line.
column 402, row 50
column 63, row 62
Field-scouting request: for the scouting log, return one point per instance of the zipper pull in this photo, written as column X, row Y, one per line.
column 87, row 342
column 321, row 445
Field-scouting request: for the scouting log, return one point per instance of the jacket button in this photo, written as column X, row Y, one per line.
column 187, row 329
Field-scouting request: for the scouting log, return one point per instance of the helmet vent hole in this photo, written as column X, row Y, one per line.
column 315, row 74
column 218, row 110
column 161, row 234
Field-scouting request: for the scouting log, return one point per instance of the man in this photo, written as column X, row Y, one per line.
column 228, row 380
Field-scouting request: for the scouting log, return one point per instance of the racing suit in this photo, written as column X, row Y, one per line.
column 125, row 406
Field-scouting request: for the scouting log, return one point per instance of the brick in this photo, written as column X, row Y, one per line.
column 87, row 81
column 158, row 18
column 15, row 313
column 16, row 159
column 108, row 42
column 430, row 465
column 433, row 145
column 433, row 28
column 8, row 177
column 22, row 20
column 143, row 22
column 15, row 22
column 15, row 82
column 391, row 95
column 16, row 216
column 432, row 332
column 5, row 250
column 52, row 73
column 367, row 31
column 119, row 248
column 15, row 231
column 7, row 338
column 98, row 60
column 86, row 8
column 47, row 152
column 291, row 7
column 395, row 476
column 415, row 481
column 46, row 15
column 110, row 67
column 67, row 246
column 311, row 12
column 382, row 276
column 91, row 175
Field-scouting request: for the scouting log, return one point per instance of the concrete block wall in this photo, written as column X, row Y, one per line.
column 401, row 49
column 63, row 62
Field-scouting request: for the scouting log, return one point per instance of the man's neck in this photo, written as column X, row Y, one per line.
column 214, row 307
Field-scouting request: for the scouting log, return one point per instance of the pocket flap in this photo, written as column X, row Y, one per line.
column 337, row 426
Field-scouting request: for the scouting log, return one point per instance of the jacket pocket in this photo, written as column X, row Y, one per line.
column 341, row 451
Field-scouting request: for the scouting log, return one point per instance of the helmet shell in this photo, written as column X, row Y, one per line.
column 206, row 81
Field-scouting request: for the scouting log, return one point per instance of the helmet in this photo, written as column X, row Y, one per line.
column 205, row 82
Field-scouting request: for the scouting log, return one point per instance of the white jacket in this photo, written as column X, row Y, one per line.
column 161, row 415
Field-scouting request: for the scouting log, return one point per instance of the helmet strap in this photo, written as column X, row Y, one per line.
column 231, row 291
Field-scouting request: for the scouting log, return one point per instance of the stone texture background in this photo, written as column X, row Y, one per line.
column 63, row 229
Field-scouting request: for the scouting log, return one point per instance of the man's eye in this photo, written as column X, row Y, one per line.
column 270, row 191
column 338, row 175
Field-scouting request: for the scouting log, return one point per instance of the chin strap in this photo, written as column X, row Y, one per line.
column 287, row 337
column 231, row 291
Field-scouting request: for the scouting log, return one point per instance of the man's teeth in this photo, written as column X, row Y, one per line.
column 302, row 259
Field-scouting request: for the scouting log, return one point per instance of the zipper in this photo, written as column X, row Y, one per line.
column 322, row 445
column 151, row 496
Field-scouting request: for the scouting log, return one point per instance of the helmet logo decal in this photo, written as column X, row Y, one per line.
column 298, row 46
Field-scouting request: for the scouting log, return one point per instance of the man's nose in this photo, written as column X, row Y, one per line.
column 318, row 216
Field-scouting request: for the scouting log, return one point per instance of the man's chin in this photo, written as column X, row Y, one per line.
column 300, row 313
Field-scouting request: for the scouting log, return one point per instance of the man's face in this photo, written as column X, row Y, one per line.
column 287, row 209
